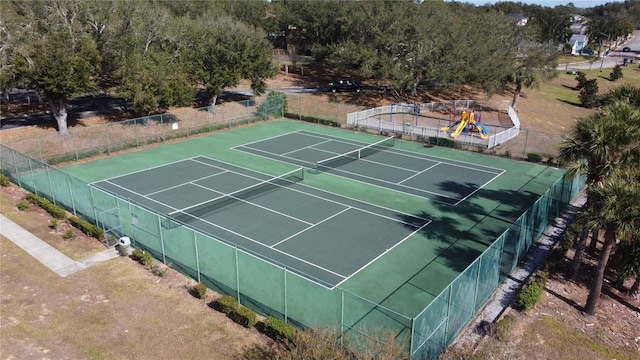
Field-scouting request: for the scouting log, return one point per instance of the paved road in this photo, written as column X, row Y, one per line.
column 614, row 58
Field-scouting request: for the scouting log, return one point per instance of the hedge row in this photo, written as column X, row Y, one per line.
column 47, row 205
column 272, row 327
column 86, row 227
column 312, row 119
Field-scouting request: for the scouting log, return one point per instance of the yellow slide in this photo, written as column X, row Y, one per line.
column 461, row 126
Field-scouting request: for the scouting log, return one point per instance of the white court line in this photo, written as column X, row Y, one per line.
column 310, row 227
column 302, row 148
column 267, row 138
column 324, row 191
column 421, row 172
column 142, row 170
column 186, row 183
column 250, row 203
column 416, row 155
column 382, row 254
column 478, row 189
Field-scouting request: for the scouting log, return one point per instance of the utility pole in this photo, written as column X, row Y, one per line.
column 603, row 55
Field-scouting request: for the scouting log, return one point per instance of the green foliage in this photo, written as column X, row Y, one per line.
column 534, row 157
column 616, row 73
column 278, row 330
column 582, row 80
column 159, row 269
column 553, row 262
column 504, row 327
column 22, row 206
column 142, row 257
column 275, row 104
column 444, row 142
column 199, row 290
column 68, row 234
column 86, row 227
column 225, row 304
column 589, row 94
column 4, row 180
column 47, row 205
column 531, row 293
column 123, row 250
column 54, row 223
column 313, row 119
column 243, row 316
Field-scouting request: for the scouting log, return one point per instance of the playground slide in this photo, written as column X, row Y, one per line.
column 461, row 126
column 483, row 131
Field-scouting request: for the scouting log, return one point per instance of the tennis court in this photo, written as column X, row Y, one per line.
column 379, row 164
column 321, row 235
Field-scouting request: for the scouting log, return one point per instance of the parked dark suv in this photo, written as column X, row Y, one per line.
column 343, row 85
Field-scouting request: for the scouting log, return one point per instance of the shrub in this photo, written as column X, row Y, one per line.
column 616, row 74
column 199, row 290
column 534, row 157
column 22, row 206
column 54, row 223
column 86, row 227
column 274, row 104
column 158, row 270
column 278, row 330
column 444, row 142
column 503, row 328
column 225, row 304
column 142, row 257
column 589, row 94
column 243, row 316
column 47, row 205
column 531, row 293
column 123, row 250
column 67, row 234
column 313, row 119
column 4, row 180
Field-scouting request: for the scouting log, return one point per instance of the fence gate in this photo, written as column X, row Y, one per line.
column 111, row 225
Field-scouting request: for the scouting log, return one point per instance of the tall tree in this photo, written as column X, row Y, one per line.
column 618, row 214
column 599, row 148
column 219, row 52
column 63, row 59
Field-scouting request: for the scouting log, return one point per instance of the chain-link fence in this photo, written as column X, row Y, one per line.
column 260, row 283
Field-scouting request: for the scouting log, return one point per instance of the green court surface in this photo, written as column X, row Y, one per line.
column 395, row 227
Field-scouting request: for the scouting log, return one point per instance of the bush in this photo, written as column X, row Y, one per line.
column 158, row 270
column 534, row 157
column 199, row 290
column 275, row 104
column 616, row 74
column 225, row 304
column 54, row 223
column 22, row 206
column 47, row 205
column 86, row 227
column 4, row 180
column 504, row 327
column 142, row 257
column 67, row 234
column 278, row 330
column 243, row 316
column 123, row 250
column 589, row 94
column 444, row 142
column 531, row 293
column 313, row 119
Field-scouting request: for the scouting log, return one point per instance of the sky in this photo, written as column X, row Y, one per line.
column 549, row 3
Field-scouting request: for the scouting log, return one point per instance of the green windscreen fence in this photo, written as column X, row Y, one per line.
column 275, row 290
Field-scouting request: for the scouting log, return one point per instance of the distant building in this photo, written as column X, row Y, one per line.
column 518, row 19
column 578, row 43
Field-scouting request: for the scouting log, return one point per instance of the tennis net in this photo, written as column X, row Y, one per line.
column 197, row 211
column 342, row 159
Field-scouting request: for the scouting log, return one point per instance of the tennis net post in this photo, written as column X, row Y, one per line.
column 345, row 158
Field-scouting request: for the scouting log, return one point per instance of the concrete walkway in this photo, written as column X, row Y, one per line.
column 48, row 255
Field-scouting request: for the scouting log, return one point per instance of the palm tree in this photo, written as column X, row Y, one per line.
column 598, row 148
column 618, row 215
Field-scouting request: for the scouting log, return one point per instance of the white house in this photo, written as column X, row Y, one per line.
column 577, row 43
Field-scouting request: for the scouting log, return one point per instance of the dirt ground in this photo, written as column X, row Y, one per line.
column 27, row 289
column 114, row 310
